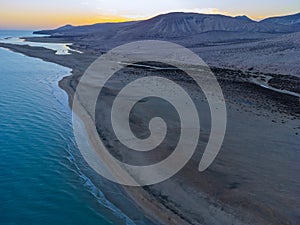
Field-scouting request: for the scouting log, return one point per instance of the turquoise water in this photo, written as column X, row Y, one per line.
column 16, row 37
column 40, row 180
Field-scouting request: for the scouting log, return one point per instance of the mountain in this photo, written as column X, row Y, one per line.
column 63, row 28
column 244, row 17
column 66, row 27
column 172, row 25
column 271, row 45
column 69, row 30
column 191, row 30
column 175, row 25
column 284, row 20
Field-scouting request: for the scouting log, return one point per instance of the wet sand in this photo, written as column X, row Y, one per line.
column 256, row 176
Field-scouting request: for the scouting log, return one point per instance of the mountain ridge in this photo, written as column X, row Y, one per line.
column 222, row 41
column 177, row 24
column 284, row 20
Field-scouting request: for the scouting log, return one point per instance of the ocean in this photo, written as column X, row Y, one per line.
column 42, row 180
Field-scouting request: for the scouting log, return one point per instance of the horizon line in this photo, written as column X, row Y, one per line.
column 128, row 19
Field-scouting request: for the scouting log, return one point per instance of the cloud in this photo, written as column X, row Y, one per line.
column 206, row 11
column 139, row 9
column 195, row 10
column 135, row 8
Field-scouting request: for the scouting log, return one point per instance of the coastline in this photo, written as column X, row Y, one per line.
column 154, row 204
column 141, row 198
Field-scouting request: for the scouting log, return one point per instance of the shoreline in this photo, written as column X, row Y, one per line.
column 65, row 84
column 151, row 204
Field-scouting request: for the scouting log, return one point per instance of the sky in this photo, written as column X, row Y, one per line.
column 38, row 14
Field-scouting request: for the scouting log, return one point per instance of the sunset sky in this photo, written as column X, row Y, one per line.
column 35, row 14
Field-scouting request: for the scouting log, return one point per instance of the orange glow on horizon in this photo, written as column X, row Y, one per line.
column 51, row 20
column 40, row 20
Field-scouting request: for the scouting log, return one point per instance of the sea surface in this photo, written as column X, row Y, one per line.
column 17, row 37
column 41, row 180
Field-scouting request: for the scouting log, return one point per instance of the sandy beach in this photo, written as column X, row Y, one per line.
column 255, row 178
